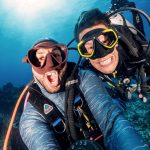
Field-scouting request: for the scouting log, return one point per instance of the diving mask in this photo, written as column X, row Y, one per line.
column 97, row 43
column 54, row 60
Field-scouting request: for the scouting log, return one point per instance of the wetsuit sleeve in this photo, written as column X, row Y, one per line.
column 35, row 132
column 117, row 131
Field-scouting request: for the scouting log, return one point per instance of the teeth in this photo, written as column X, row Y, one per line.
column 53, row 82
column 106, row 62
column 51, row 73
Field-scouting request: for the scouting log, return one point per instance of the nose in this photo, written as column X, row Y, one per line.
column 102, row 38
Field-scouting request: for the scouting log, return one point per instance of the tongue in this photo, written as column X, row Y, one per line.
column 53, row 79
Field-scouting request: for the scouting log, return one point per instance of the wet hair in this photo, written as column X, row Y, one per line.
column 88, row 19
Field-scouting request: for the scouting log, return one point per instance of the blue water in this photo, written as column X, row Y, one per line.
column 21, row 26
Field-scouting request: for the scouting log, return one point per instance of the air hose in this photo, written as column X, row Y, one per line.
column 69, row 111
column 6, row 140
column 70, row 94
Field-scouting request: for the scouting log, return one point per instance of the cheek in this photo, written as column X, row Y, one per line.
column 40, row 79
column 116, row 56
column 38, row 76
column 62, row 72
column 41, row 54
column 95, row 64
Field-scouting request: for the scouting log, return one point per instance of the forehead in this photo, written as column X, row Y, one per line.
column 82, row 33
column 42, row 49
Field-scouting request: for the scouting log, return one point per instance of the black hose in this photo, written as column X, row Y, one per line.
column 66, row 117
column 70, row 114
column 141, row 34
column 70, row 94
column 143, row 80
column 70, row 42
column 132, row 9
column 72, row 48
column 69, row 117
column 134, row 51
column 75, row 68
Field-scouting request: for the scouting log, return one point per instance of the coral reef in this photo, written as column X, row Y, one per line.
column 138, row 113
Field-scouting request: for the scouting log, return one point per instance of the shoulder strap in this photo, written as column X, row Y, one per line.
column 45, row 106
column 50, row 112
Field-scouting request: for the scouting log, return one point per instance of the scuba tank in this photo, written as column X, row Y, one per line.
column 118, row 19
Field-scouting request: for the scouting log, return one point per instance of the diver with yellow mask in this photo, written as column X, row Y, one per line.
column 118, row 53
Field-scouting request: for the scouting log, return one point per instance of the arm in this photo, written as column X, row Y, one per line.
column 117, row 131
column 35, row 132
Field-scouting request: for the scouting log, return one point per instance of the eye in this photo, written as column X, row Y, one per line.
column 89, row 46
column 57, row 52
column 40, row 55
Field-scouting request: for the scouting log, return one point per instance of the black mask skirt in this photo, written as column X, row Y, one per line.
column 99, row 49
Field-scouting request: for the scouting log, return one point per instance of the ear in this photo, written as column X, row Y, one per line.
column 25, row 59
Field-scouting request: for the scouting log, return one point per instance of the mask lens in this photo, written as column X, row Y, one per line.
column 44, row 59
column 89, row 47
column 58, row 54
column 32, row 57
column 38, row 57
column 108, row 38
column 85, row 48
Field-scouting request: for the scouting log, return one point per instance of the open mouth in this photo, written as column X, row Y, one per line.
column 53, row 77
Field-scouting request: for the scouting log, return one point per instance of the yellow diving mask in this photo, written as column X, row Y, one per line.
column 97, row 43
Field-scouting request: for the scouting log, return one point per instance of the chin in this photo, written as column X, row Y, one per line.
column 108, row 70
column 53, row 89
column 50, row 87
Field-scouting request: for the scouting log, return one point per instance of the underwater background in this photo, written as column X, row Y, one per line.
column 22, row 23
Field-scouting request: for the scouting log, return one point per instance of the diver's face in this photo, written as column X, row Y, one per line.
column 51, row 80
column 108, row 63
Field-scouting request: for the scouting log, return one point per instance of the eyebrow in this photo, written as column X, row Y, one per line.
column 56, row 48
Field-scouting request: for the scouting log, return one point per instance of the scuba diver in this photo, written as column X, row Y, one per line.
column 46, row 119
column 115, row 50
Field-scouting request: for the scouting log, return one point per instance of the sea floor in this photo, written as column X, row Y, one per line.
column 138, row 113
